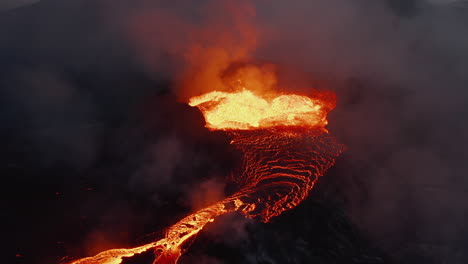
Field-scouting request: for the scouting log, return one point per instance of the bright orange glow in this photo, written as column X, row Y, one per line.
column 285, row 145
column 245, row 110
column 114, row 256
column 279, row 167
column 169, row 248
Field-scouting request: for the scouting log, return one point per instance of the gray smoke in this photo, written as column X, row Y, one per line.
column 400, row 72
column 10, row 4
column 399, row 69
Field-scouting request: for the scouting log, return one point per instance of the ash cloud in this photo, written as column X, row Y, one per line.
column 73, row 73
column 9, row 4
column 51, row 110
column 399, row 70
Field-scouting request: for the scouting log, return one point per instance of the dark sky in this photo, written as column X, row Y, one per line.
column 98, row 149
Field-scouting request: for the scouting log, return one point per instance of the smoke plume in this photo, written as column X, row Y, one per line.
column 75, row 72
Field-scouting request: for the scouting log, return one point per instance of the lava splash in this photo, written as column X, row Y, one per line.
column 285, row 147
column 244, row 110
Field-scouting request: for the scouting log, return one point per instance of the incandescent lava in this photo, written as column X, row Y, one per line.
column 285, row 147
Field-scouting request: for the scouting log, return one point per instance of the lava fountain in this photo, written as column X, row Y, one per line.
column 286, row 148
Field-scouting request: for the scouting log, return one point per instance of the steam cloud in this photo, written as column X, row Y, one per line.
column 398, row 67
column 9, row 4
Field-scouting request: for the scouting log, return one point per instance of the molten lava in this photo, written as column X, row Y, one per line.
column 244, row 110
column 285, row 146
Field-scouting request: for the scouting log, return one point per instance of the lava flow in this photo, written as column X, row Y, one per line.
column 286, row 148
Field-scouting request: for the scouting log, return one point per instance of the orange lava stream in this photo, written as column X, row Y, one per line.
column 244, row 110
column 169, row 248
column 114, row 256
column 286, row 149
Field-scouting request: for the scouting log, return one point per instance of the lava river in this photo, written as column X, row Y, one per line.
column 285, row 147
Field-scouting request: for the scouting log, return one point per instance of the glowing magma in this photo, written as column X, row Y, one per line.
column 285, row 147
column 245, row 110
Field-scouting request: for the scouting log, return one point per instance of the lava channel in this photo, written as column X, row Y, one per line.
column 285, row 147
